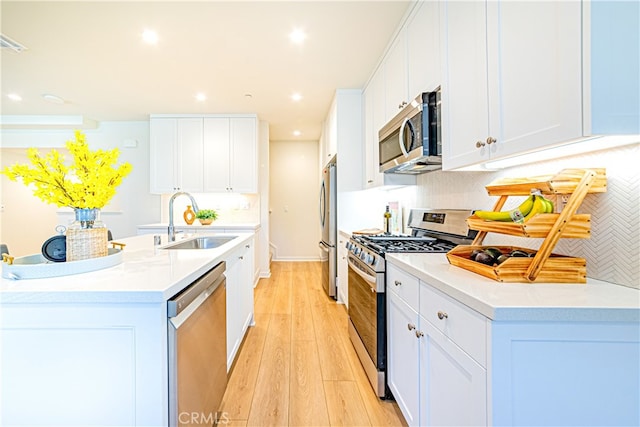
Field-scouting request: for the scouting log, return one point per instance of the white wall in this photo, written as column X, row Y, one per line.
column 26, row 222
column 293, row 200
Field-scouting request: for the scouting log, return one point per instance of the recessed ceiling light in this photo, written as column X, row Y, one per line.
column 14, row 97
column 296, row 97
column 297, row 133
column 297, row 36
column 52, row 98
column 201, row 97
column 150, row 36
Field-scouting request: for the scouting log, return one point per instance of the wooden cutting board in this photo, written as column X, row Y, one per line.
column 369, row 231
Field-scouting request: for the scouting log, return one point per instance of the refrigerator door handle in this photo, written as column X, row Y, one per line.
column 323, row 201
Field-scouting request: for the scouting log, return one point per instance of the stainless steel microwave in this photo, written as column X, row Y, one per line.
column 410, row 143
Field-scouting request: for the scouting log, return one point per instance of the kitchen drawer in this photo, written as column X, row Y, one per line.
column 404, row 285
column 462, row 325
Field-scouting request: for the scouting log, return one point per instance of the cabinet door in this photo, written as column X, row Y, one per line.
column 373, row 121
column 234, row 276
column 402, row 357
column 465, row 114
column 395, row 76
column 343, row 272
column 216, row 154
column 162, row 154
column 452, row 385
column 534, row 67
column 246, row 305
column 243, row 156
column 423, row 49
column 189, row 154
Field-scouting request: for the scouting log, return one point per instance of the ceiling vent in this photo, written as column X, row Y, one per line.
column 7, row 43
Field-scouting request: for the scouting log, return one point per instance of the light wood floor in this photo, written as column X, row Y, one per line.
column 297, row 366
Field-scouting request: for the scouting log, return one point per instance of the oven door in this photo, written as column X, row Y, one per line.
column 367, row 309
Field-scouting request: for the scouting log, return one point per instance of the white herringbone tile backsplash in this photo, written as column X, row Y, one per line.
column 612, row 252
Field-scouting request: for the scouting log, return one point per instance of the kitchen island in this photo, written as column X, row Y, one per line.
column 510, row 354
column 91, row 348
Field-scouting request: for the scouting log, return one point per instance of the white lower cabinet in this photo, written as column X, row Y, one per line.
column 343, row 268
column 449, row 365
column 452, row 385
column 434, row 381
column 239, row 275
column 403, row 361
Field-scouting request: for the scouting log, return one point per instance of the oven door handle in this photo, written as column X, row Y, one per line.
column 371, row 280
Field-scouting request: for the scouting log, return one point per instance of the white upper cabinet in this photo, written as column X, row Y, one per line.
column 423, row 49
column 373, row 120
column 230, row 153
column 411, row 66
column 396, row 90
column 203, row 154
column 329, row 137
column 612, row 67
column 342, row 137
column 511, row 78
column 176, row 155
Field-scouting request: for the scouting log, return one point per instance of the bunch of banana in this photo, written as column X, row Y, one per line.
column 533, row 205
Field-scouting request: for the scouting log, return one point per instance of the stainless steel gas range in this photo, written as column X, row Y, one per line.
column 433, row 231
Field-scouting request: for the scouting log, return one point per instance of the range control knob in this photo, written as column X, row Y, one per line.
column 372, row 260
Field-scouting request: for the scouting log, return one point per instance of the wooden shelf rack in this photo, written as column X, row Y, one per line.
column 544, row 266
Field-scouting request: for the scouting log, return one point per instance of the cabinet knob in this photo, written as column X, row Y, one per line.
column 240, row 257
column 480, row 144
column 247, row 246
column 411, row 326
column 442, row 315
column 490, row 140
column 419, row 334
column 402, row 104
column 397, row 283
column 369, row 181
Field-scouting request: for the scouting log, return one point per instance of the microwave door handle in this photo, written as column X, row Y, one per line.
column 401, row 137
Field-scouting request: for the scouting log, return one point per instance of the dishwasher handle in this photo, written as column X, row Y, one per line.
column 183, row 299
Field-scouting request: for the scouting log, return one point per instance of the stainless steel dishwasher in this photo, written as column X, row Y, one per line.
column 198, row 350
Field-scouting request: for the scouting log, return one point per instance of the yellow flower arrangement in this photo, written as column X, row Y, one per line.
column 89, row 182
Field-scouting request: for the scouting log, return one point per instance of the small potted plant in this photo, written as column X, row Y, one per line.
column 206, row 216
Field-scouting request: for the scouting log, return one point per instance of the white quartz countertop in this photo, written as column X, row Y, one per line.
column 199, row 227
column 593, row 301
column 146, row 274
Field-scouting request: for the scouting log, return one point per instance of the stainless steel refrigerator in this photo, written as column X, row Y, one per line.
column 328, row 220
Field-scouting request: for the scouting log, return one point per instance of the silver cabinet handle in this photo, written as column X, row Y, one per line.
column 480, row 144
column 442, row 315
column 490, row 140
column 247, row 246
column 419, row 334
column 411, row 326
column 397, row 283
column 241, row 257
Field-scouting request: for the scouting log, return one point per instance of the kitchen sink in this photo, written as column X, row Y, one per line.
column 205, row 242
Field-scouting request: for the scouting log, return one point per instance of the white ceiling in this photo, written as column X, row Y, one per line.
column 91, row 55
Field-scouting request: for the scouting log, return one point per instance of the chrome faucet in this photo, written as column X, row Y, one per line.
column 194, row 205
